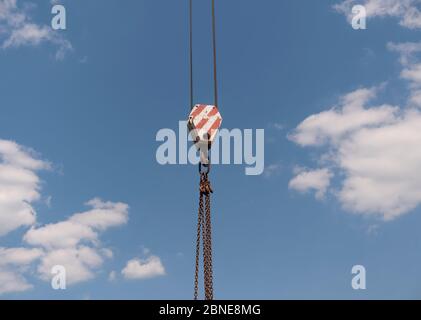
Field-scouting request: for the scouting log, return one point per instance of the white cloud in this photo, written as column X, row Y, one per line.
column 80, row 227
column 376, row 148
column 74, row 243
column 103, row 215
column 381, row 166
column 60, row 235
column 19, row 186
column 143, row 269
column 379, row 159
column 80, row 263
column 19, row 189
column 407, row 50
column 107, row 252
column 306, row 180
column 19, row 256
column 29, row 34
column 409, row 58
column 350, row 115
column 11, row 281
column 415, row 98
column 412, row 73
column 19, row 156
column 17, row 29
column 13, row 262
column 406, row 11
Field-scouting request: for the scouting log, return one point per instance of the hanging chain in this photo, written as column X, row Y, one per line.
column 204, row 231
column 199, row 230
column 208, row 248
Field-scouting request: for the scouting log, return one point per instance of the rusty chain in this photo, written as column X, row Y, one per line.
column 199, row 230
column 208, row 245
column 204, row 231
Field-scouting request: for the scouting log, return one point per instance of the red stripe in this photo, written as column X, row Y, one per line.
column 197, row 110
column 201, row 123
column 206, row 117
column 215, row 125
column 213, row 112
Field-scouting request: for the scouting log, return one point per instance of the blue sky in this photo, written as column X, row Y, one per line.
column 92, row 115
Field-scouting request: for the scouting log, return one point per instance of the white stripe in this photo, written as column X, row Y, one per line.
column 210, row 123
column 201, row 115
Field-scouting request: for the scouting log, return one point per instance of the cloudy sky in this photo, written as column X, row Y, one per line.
column 80, row 185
